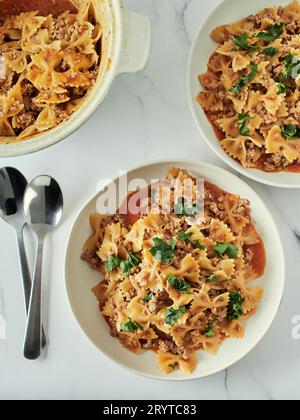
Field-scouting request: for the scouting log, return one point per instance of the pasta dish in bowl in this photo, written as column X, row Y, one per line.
column 250, row 88
column 166, row 284
column 58, row 61
column 175, row 283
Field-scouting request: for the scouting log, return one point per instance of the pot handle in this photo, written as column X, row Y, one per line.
column 136, row 43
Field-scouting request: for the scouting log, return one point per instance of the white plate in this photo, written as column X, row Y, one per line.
column 80, row 279
column 228, row 11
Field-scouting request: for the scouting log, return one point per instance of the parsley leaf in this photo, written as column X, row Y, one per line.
column 270, row 51
column 213, row 279
column 281, row 89
column 244, row 81
column 172, row 315
column 131, row 326
column 290, row 131
column 185, row 237
column 171, row 366
column 162, row 251
column 210, row 332
column 292, row 68
column 243, row 119
column 148, row 297
column 197, row 245
column 235, row 309
column 226, row 248
column 272, row 34
column 179, row 285
column 112, row 263
column 131, row 262
column 190, row 210
column 242, row 41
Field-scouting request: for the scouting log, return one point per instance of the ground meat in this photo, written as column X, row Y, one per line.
column 159, row 301
column 92, row 258
column 26, row 119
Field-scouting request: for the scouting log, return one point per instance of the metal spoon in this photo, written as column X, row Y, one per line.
column 12, row 188
column 43, row 207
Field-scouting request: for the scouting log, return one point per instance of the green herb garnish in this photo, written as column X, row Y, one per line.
column 173, row 315
column 272, row 34
column 210, row 332
column 235, row 309
column 179, row 285
column 171, row 366
column 292, row 68
column 131, row 326
column 244, row 81
column 148, row 297
column 185, row 237
column 190, row 210
column 242, row 41
column 243, row 119
column 197, row 245
column 281, row 89
column 226, row 248
column 290, row 131
column 270, row 51
column 128, row 265
column 162, row 251
column 112, row 263
column 213, row 278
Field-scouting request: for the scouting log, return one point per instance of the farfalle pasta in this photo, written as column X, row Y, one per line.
column 251, row 89
column 48, row 65
column 176, row 282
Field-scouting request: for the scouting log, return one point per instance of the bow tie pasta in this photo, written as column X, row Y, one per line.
column 251, row 89
column 175, row 284
column 48, row 65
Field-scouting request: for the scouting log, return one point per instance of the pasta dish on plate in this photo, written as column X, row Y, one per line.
column 48, row 64
column 179, row 282
column 251, row 90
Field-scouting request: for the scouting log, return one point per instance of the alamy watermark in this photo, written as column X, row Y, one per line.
column 296, row 327
column 139, row 196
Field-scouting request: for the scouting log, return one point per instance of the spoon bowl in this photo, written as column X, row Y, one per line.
column 12, row 188
column 43, row 208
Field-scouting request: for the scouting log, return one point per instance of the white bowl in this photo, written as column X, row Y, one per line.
column 80, row 279
column 127, row 40
column 228, row 11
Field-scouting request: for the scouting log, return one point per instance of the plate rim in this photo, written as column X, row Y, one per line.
column 187, row 163
column 255, row 176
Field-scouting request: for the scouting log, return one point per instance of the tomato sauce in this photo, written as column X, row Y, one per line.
column 292, row 168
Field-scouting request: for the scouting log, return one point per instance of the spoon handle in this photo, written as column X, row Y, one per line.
column 33, row 334
column 26, row 277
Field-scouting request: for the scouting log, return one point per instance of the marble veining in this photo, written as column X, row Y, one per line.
column 145, row 117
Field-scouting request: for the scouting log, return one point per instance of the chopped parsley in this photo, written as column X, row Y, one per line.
column 131, row 326
column 190, row 210
column 270, row 51
column 243, row 120
column 281, row 89
column 170, row 366
column 128, row 265
column 242, row 41
column 210, row 332
column 292, row 68
column 179, row 285
column 148, row 296
column 213, row 278
column 244, row 81
column 290, row 131
column 235, row 309
column 185, row 237
column 172, row 315
column 272, row 34
column 226, row 248
column 162, row 251
column 197, row 245
column 112, row 263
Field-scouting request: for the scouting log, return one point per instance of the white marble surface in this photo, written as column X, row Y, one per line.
column 145, row 117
